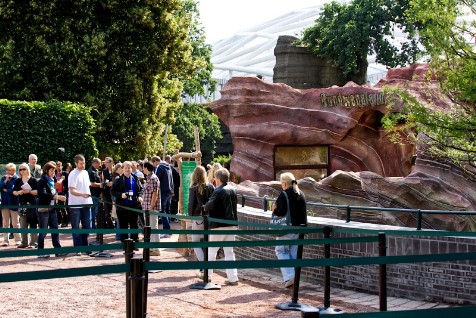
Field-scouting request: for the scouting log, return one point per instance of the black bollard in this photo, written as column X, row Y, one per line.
column 146, row 257
column 382, row 248
column 128, row 254
column 297, row 271
column 327, row 309
column 327, row 269
column 205, row 284
column 101, row 225
column 307, row 311
column 205, row 250
column 137, row 280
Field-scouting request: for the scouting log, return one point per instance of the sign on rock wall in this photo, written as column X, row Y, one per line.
column 187, row 170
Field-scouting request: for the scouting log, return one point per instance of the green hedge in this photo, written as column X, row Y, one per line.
column 43, row 127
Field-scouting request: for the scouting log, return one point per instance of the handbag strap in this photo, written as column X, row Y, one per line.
column 288, row 214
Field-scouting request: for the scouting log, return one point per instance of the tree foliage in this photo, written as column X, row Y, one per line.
column 191, row 115
column 125, row 59
column 42, row 128
column 348, row 33
column 201, row 55
column 450, row 134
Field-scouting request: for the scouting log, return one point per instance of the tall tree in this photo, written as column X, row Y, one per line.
column 348, row 32
column 192, row 115
column 123, row 58
column 202, row 84
column 449, row 44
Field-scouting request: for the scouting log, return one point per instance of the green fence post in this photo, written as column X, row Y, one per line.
column 243, row 199
column 347, row 214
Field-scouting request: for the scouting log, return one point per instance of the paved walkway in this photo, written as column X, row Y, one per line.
column 339, row 295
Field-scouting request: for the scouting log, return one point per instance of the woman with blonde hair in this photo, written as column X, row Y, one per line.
column 199, row 192
column 211, row 173
column 290, row 199
column 8, row 199
column 26, row 189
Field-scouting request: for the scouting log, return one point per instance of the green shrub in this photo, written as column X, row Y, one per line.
column 43, row 128
column 222, row 159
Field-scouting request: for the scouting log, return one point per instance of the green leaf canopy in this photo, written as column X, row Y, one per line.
column 122, row 58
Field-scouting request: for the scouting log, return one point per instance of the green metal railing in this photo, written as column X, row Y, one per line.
column 136, row 269
column 348, row 208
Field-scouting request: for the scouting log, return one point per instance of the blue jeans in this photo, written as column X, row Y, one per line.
column 44, row 219
column 287, row 252
column 82, row 215
column 165, row 202
column 94, row 212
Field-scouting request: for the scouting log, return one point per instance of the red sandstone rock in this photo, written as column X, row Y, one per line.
column 261, row 115
column 368, row 169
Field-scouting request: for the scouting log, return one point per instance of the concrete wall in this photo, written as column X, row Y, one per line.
column 300, row 68
column 450, row 282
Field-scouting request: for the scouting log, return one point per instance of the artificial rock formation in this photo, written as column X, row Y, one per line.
column 423, row 189
column 367, row 168
column 261, row 116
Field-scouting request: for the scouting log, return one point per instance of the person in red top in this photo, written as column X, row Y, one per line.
column 61, row 186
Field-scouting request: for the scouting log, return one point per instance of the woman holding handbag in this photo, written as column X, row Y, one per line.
column 47, row 216
column 291, row 203
column 26, row 188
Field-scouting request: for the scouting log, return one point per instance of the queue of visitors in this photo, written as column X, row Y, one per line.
column 125, row 189
column 129, row 184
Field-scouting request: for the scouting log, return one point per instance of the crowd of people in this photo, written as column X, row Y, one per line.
column 72, row 196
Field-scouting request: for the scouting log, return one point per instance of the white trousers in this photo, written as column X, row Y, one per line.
column 197, row 225
column 154, row 225
column 231, row 273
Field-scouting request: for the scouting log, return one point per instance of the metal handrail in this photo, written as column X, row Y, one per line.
column 349, row 208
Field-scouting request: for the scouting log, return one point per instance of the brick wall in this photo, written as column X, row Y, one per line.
column 450, row 282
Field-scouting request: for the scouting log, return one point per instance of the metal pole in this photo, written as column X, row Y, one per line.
column 101, row 222
column 327, row 269
column 347, row 217
column 166, row 133
column 297, row 271
column 128, row 253
column 265, row 204
column 382, row 249
column 137, row 279
column 205, row 250
column 146, row 257
column 418, row 219
column 243, row 201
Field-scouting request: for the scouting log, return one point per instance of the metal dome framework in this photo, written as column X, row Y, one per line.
column 251, row 51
